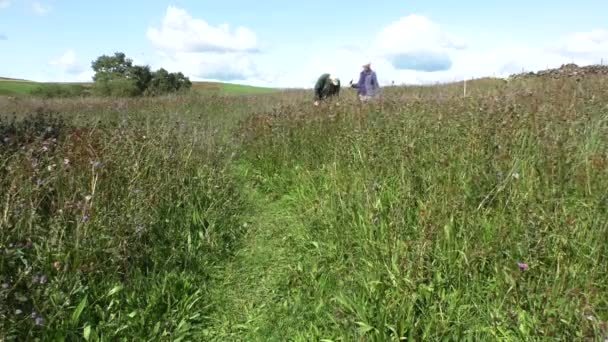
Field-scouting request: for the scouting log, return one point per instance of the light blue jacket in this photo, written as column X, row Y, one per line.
column 368, row 83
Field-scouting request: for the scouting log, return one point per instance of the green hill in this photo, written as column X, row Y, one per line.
column 13, row 87
column 17, row 87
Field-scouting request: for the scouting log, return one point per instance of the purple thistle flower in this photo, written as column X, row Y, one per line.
column 523, row 266
column 85, row 219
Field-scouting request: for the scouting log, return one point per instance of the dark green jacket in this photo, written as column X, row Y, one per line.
column 325, row 89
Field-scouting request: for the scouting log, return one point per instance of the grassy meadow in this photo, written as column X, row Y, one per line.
column 24, row 88
column 16, row 87
column 424, row 216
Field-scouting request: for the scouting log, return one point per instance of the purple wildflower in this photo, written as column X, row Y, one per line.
column 34, row 314
column 85, row 218
column 523, row 266
column 6, row 285
column 39, row 321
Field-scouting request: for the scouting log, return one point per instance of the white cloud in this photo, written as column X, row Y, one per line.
column 40, row 8
column 202, row 51
column 592, row 44
column 68, row 63
column 414, row 33
column 416, row 43
column 211, row 66
column 180, row 32
column 5, row 3
column 412, row 50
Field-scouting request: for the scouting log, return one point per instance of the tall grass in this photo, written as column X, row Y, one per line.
column 431, row 216
column 110, row 224
column 423, row 216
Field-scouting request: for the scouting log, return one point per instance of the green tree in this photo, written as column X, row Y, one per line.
column 112, row 66
column 142, row 76
column 117, row 76
column 164, row 82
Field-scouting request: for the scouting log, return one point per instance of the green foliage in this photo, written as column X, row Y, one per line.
column 112, row 66
column 163, row 82
column 51, row 90
column 117, row 76
column 143, row 77
column 98, row 239
column 264, row 218
column 14, row 87
column 116, row 87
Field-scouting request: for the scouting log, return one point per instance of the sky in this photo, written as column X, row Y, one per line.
column 291, row 43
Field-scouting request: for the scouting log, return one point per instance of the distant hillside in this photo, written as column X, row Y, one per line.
column 566, row 70
column 12, row 79
column 19, row 87
column 230, row 88
column 12, row 87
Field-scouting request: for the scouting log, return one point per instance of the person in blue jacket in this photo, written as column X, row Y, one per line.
column 367, row 87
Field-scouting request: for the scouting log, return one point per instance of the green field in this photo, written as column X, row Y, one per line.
column 424, row 216
column 230, row 89
column 11, row 87
column 16, row 87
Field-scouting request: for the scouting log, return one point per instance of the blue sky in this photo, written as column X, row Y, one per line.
column 281, row 43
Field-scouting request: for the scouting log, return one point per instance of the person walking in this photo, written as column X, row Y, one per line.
column 367, row 87
column 327, row 86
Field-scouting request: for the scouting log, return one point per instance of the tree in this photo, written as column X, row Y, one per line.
column 164, row 82
column 111, row 66
column 118, row 76
column 142, row 76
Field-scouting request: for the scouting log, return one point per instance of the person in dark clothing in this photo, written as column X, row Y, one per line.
column 326, row 87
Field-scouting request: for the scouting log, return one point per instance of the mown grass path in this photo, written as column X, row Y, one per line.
column 252, row 291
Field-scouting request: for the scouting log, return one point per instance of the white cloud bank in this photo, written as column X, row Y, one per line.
column 203, row 51
column 415, row 50
column 411, row 50
column 67, row 68
column 180, row 32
